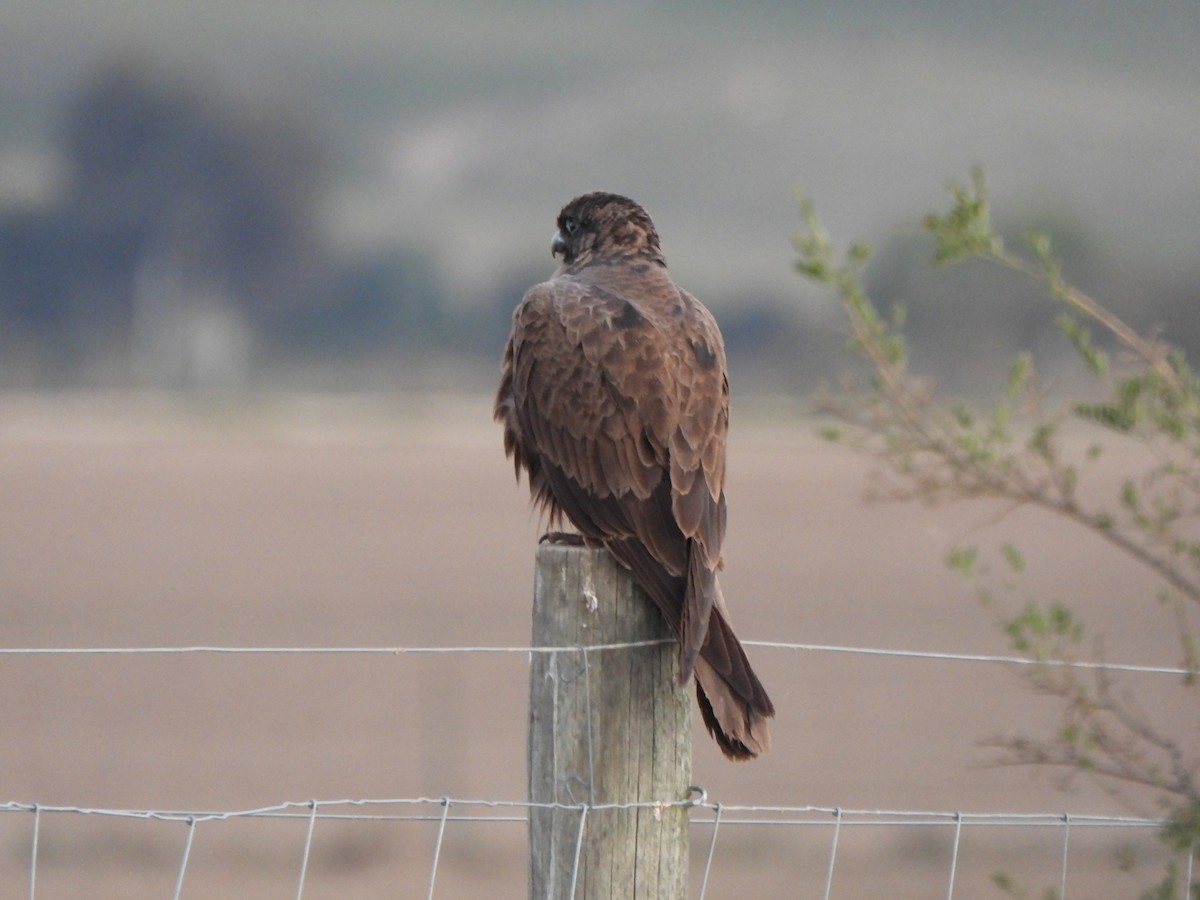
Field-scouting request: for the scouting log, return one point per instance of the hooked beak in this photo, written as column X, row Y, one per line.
column 558, row 245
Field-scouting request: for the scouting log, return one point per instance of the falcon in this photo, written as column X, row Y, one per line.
column 615, row 403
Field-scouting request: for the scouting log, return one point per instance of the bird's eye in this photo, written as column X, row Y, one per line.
column 570, row 225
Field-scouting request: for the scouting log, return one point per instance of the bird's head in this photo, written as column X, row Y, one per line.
column 602, row 226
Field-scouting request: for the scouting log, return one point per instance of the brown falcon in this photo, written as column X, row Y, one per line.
column 614, row 401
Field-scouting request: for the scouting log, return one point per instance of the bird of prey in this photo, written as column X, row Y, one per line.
column 615, row 403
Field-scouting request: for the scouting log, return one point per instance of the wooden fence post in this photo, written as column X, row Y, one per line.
column 605, row 726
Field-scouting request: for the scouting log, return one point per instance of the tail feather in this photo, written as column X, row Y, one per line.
column 732, row 700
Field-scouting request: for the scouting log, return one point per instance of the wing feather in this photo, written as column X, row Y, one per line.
column 585, row 419
column 619, row 418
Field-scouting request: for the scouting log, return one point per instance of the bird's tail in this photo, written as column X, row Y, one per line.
column 733, row 702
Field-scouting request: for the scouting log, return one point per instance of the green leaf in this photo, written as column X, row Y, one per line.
column 963, row 561
column 1039, row 631
column 1118, row 418
column 813, row 269
column 1018, row 376
column 1129, row 496
column 1013, row 557
column 1040, row 441
column 1001, row 418
column 1184, row 826
column 1070, row 479
column 1081, row 337
column 859, row 253
column 832, row 433
column 967, row 229
column 1039, row 243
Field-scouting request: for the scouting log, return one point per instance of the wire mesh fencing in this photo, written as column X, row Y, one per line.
column 451, row 846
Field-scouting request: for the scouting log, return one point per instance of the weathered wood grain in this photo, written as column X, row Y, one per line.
column 605, row 727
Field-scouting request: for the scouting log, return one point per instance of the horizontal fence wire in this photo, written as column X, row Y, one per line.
column 705, row 812
column 444, row 812
column 934, row 655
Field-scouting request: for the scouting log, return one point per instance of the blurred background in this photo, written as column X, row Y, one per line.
column 257, row 264
column 354, row 197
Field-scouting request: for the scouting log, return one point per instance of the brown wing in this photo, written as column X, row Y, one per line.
column 697, row 460
column 621, row 425
column 589, row 413
column 619, row 415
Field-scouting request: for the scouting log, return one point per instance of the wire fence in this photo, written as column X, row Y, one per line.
column 774, row 645
column 711, row 821
column 713, row 817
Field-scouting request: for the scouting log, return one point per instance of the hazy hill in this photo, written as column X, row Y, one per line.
column 459, row 128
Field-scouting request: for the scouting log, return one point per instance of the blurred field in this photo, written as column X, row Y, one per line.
column 346, row 523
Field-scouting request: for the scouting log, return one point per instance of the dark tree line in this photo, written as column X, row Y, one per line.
column 184, row 245
column 184, row 248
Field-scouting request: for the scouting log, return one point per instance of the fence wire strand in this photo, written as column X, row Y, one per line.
column 625, row 645
column 33, row 852
column 706, row 813
column 437, row 847
column 1066, row 846
column 308, row 836
column 837, row 831
column 712, row 847
column 183, row 861
column 954, row 855
column 703, row 812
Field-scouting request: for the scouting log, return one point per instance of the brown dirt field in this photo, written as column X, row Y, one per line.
column 348, row 523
